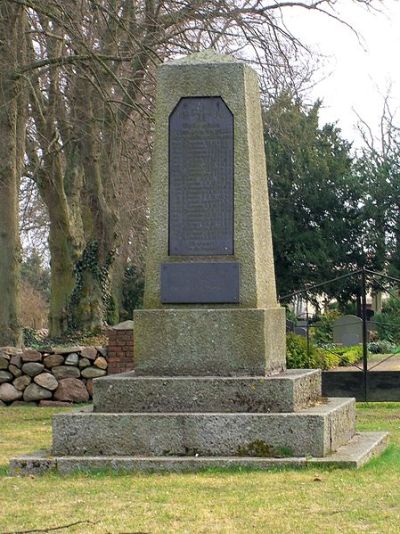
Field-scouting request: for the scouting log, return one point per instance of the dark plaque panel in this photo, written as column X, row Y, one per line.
column 201, row 178
column 200, row 283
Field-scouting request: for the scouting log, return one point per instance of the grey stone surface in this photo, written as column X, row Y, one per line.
column 89, row 352
column 66, row 371
column 47, row 381
column 32, row 368
column 9, row 393
column 31, row 355
column 84, row 362
column 347, row 330
column 53, row 360
column 72, row 359
column 16, row 360
column 3, row 362
column 237, row 85
column 308, row 432
column 66, row 350
column 22, row 381
column 209, row 342
column 93, row 372
column 286, row 392
column 5, row 376
column 35, row 393
column 361, row 448
column 16, row 371
column 71, row 390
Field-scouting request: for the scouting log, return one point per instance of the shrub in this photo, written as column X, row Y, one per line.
column 323, row 332
column 381, row 347
column 388, row 322
column 351, row 355
column 298, row 358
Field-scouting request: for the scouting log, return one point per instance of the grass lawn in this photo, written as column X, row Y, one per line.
column 234, row 501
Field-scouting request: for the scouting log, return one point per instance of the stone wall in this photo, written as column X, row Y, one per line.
column 120, row 348
column 50, row 377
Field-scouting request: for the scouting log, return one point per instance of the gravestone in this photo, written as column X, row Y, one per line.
column 347, row 330
column 210, row 386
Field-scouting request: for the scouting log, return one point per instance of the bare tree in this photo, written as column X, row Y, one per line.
column 12, row 135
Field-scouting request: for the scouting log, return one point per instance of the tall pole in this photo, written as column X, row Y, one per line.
column 364, row 330
column 307, row 330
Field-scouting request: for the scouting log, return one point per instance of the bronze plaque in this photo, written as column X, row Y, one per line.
column 200, row 283
column 201, row 178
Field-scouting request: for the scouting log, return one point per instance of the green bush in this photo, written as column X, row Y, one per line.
column 323, row 331
column 351, row 355
column 298, row 358
column 381, row 347
column 388, row 322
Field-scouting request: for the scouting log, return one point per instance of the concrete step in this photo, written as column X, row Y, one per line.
column 290, row 391
column 361, row 448
column 314, row 431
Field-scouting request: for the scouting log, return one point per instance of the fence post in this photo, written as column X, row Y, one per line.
column 307, row 330
column 364, row 331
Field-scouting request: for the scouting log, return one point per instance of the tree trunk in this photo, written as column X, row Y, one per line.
column 12, row 135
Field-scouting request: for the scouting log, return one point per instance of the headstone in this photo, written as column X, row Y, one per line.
column 210, row 386
column 347, row 330
column 300, row 331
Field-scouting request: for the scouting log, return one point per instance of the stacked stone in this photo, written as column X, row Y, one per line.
column 52, row 376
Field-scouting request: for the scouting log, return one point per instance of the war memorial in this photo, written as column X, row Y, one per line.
column 210, row 386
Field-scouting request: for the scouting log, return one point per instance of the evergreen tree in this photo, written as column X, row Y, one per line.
column 314, row 197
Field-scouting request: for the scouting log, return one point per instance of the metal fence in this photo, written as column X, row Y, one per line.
column 361, row 383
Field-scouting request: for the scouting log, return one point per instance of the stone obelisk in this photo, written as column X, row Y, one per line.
column 210, row 303
column 210, row 386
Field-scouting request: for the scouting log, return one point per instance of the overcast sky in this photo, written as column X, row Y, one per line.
column 354, row 77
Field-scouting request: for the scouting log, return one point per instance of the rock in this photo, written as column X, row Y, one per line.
column 67, row 350
column 66, row 371
column 31, row 355
column 93, row 372
column 9, row 393
column 22, row 403
column 47, row 381
column 5, row 376
column 84, row 362
column 72, row 359
column 16, row 360
column 35, row 393
column 16, row 371
column 53, row 404
column 2, row 404
column 32, row 368
column 89, row 387
column 4, row 362
column 89, row 352
column 22, row 382
column 71, row 389
column 102, row 351
column 53, row 360
column 101, row 362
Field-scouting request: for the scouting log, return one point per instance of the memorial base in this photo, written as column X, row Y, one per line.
column 138, row 424
column 359, row 450
column 216, row 342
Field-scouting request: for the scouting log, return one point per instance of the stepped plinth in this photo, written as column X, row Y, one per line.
column 210, row 386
